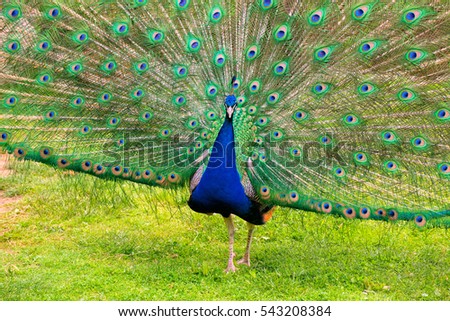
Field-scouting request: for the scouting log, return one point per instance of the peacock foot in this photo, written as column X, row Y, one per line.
column 245, row 260
column 230, row 268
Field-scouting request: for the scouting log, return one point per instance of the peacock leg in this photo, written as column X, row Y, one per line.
column 246, row 259
column 230, row 226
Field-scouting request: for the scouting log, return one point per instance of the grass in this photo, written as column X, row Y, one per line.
column 74, row 237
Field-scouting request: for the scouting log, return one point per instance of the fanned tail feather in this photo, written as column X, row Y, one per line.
column 342, row 108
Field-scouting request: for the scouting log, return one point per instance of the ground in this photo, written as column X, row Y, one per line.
column 74, row 237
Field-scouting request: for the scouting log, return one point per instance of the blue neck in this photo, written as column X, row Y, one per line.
column 220, row 189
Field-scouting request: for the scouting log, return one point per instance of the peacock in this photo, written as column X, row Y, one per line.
column 335, row 107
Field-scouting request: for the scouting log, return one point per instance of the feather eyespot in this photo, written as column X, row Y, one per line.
column 281, row 68
column 204, row 134
column 413, row 16
column 147, row 174
column 105, row 97
column 12, row 46
column 277, row 135
column 113, row 121
column 265, row 192
column 273, row 98
column 254, row 86
column 252, row 52
column 281, row 33
column 193, row 44
column 389, row 137
column 141, row 66
column 391, row 166
column 406, row 95
column 120, row 142
column 43, row 46
column 85, row 129
column 361, row 158
column 86, row 165
column 366, row 88
column 63, row 162
column 53, row 13
column 320, row 89
column 182, row 4
column 165, row 132
column 216, row 14
column 173, row 177
column 252, row 110
column 12, row 13
column 262, row 121
column 444, row 169
column 109, row 66
column 160, row 179
column 181, row 71
column 156, row 36
column 339, row 172
column 20, row 152
column 211, row 115
column 44, row 78
column 10, row 101
column 361, row 12
column 219, row 59
column 326, row 207
column 317, row 17
column 267, row 4
column 295, row 152
column 4, row 137
column 80, row 38
column 241, row 100
column 323, row 54
column 45, row 152
column 420, row 220
column 349, row 212
column 293, row 197
column 126, row 172
column 300, row 115
column 145, row 116
column 325, row 140
column 192, row 123
column 364, row 212
column 415, row 56
column 77, row 101
column 75, row 68
column 369, row 47
column 236, row 83
column 121, row 28
column 392, row 215
column 137, row 93
column 351, row 120
column 381, row 212
column 211, row 90
column 179, row 100
column 99, row 169
column 116, row 170
column 420, row 143
column 137, row 175
column 50, row 115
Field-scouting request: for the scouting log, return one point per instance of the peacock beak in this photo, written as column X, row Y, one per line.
column 230, row 111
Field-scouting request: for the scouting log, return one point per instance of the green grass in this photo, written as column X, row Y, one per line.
column 81, row 238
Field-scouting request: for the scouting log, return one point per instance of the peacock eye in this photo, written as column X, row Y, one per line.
column 317, row 17
column 361, row 13
column 215, row 15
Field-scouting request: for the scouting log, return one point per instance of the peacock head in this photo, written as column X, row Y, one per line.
column 230, row 105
